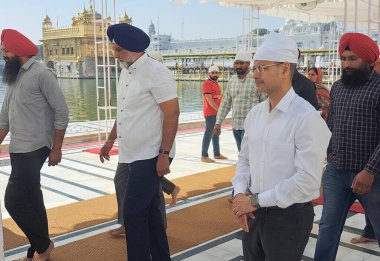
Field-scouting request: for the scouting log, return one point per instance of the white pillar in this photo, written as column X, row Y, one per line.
column 1, row 238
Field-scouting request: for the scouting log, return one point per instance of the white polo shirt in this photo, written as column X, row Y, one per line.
column 282, row 152
column 142, row 87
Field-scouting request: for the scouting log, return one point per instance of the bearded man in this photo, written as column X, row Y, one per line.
column 36, row 115
column 145, row 126
column 353, row 169
column 240, row 96
column 211, row 100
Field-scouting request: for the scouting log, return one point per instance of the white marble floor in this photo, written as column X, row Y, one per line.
column 81, row 176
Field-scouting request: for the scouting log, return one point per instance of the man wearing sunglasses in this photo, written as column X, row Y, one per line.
column 281, row 159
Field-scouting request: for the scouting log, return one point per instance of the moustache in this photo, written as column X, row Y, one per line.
column 239, row 71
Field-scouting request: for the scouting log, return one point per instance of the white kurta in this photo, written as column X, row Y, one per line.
column 282, row 152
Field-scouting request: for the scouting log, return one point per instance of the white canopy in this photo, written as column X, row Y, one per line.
column 357, row 13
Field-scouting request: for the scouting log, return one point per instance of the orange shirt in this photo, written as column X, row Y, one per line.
column 211, row 87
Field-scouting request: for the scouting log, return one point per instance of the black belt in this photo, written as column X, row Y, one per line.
column 294, row 206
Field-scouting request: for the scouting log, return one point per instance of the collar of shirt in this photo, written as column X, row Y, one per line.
column 28, row 63
column 371, row 77
column 284, row 103
column 138, row 63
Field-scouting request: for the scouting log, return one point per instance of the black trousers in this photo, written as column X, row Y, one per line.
column 121, row 179
column 24, row 200
column 145, row 231
column 278, row 234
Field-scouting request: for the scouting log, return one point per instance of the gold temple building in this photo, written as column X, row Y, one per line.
column 71, row 51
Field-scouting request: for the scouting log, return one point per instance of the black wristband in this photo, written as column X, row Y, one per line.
column 162, row 151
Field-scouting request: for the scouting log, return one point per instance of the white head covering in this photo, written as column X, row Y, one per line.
column 213, row 68
column 244, row 56
column 155, row 55
column 277, row 48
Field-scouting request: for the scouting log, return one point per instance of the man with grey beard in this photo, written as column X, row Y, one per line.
column 35, row 113
column 146, row 125
column 353, row 168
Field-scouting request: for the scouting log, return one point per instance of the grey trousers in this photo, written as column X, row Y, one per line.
column 121, row 179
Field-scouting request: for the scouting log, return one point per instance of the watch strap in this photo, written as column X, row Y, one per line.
column 162, row 151
column 254, row 200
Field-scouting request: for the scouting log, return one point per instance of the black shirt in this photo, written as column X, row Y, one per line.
column 305, row 88
column 354, row 120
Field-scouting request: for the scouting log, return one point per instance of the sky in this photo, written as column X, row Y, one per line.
column 193, row 20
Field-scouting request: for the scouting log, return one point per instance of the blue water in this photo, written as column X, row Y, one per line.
column 81, row 97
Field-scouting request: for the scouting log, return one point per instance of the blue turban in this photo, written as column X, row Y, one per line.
column 128, row 37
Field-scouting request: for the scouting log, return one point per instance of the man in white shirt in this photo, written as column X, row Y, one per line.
column 146, row 124
column 281, row 159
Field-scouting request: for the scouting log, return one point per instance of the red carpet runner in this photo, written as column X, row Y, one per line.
column 356, row 207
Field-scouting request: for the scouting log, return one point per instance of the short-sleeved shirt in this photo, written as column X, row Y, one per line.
column 211, row 87
column 142, row 87
column 34, row 107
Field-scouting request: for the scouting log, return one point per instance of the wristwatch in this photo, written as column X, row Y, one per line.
column 162, row 151
column 254, row 199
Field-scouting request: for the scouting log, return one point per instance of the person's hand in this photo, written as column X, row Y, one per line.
column 242, row 205
column 105, row 150
column 362, row 183
column 55, row 157
column 243, row 222
column 162, row 166
column 217, row 129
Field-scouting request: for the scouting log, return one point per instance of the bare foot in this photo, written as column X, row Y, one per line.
column 174, row 196
column 117, row 232
column 361, row 239
column 45, row 255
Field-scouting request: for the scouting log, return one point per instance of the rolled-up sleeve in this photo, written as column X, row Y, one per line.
column 51, row 90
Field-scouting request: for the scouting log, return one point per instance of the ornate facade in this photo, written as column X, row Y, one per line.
column 71, row 51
